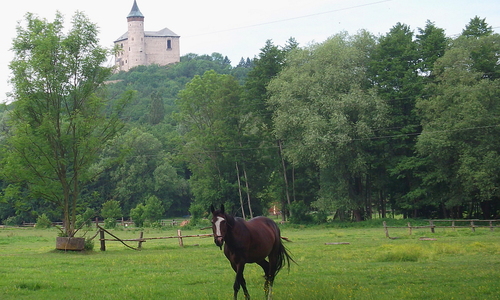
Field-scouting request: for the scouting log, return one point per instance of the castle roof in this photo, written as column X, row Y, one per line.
column 135, row 12
column 165, row 32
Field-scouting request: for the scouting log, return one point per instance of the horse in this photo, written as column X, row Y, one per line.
column 250, row 242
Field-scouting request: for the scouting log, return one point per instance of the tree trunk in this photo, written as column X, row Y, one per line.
column 382, row 204
column 239, row 190
column 285, row 178
column 248, row 191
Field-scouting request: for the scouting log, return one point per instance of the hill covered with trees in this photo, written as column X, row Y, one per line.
column 404, row 123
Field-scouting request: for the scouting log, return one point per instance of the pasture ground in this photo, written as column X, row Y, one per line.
column 458, row 265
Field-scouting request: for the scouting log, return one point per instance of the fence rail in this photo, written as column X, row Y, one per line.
column 470, row 223
column 141, row 239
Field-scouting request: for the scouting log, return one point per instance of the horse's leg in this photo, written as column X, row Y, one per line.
column 240, row 280
column 273, row 261
column 265, row 266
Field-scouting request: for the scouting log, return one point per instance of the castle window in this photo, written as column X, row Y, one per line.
column 169, row 44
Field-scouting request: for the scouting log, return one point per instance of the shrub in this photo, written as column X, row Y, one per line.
column 300, row 213
column 197, row 211
column 43, row 222
column 13, row 221
column 109, row 223
column 89, row 245
column 153, row 209
column 137, row 215
column 111, row 209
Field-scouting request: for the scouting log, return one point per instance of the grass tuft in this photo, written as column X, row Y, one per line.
column 30, row 286
column 402, row 253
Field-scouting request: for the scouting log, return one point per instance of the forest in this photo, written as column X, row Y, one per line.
column 355, row 127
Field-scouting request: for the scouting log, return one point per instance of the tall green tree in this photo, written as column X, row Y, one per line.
column 325, row 115
column 460, row 126
column 258, row 123
column 208, row 116
column 395, row 73
column 59, row 124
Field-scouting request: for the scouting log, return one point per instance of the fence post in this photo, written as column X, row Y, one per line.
column 491, row 225
column 409, row 227
column 140, row 237
column 101, row 238
column 179, row 234
column 385, row 229
column 432, row 225
column 472, row 226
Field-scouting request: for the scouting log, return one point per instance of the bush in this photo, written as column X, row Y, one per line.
column 89, row 245
column 111, row 209
column 109, row 223
column 300, row 213
column 153, row 210
column 197, row 211
column 43, row 222
column 137, row 215
column 13, row 221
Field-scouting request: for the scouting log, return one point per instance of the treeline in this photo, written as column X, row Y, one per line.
column 404, row 123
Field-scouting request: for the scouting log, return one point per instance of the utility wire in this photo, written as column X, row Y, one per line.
column 290, row 19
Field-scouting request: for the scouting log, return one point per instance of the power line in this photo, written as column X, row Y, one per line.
column 290, row 19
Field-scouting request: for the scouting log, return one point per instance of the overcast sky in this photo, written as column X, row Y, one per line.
column 240, row 28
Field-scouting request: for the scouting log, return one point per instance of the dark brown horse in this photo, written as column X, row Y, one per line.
column 250, row 242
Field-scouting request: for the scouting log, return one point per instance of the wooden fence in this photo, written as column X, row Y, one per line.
column 141, row 239
column 471, row 223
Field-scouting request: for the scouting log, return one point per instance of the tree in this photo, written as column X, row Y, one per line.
column 208, row 115
column 258, row 119
column 476, row 28
column 59, row 124
column 395, row 71
column 157, row 109
column 110, row 212
column 153, row 209
column 460, row 129
column 325, row 115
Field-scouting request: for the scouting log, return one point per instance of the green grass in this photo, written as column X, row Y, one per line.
column 458, row 265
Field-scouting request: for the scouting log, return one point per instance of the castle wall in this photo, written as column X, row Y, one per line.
column 158, row 52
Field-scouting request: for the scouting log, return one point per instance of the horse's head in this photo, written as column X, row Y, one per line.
column 219, row 225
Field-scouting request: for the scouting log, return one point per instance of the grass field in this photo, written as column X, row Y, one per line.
column 457, row 265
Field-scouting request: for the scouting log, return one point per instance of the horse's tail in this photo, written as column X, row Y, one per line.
column 282, row 256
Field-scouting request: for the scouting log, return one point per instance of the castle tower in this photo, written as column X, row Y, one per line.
column 137, row 54
column 138, row 47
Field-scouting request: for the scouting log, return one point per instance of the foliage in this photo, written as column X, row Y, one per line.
column 43, row 222
column 330, row 125
column 148, row 213
column 58, row 121
column 208, row 113
column 198, row 211
column 110, row 212
column 460, row 124
column 153, row 209
column 401, row 124
column 137, row 215
column 300, row 213
column 86, row 218
column 111, row 209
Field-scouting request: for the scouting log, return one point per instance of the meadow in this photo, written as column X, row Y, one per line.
column 459, row 264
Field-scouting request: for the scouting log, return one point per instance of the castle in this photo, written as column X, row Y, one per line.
column 138, row 47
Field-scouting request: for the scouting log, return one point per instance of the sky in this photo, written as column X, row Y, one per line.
column 239, row 29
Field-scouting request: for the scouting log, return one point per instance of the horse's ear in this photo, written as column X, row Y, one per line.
column 212, row 209
column 222, row 208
